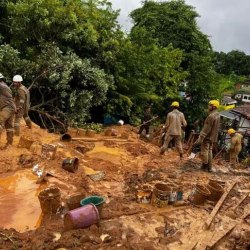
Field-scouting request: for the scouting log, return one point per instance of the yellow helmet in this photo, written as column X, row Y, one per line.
column 214, row 103
column 231, row 131
column 175, row 104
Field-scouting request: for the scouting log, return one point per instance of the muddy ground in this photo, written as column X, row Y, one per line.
column 127, row 163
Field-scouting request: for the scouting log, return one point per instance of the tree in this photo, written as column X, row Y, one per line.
column 145, row 72
column 174, row 23
column 233, row 62
column 65, row 48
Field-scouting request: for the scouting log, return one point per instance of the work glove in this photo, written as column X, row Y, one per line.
column 16, row 110
column 228, row 147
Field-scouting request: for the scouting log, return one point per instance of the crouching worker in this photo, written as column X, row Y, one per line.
column 7, row 111
column 235, row 146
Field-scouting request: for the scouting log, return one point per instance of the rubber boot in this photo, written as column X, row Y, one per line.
column 204, row 166
column 10, row 136
column 17, row 131
column 209, row 168
column 162, row 151
column 28, row 123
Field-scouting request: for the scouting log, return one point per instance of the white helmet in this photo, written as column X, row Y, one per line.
column 121, row 122
column 17, row 78
column 1, row 76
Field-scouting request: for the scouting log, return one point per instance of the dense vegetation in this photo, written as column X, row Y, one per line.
column 78, row 61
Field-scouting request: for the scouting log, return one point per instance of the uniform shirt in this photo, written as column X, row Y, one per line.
column 6, row 99
column 211, row 127
column 174, row 123
column 236, row 140
column 22, row 98
column 147, row 116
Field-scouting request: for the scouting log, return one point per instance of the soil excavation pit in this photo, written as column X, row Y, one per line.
column 19, row 204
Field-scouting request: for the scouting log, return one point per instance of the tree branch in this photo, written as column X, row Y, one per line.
column 49, row 116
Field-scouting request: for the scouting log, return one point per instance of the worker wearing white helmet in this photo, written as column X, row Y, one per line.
column 22, row 101
column 7, row 111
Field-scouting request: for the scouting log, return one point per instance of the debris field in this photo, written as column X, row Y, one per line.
column 122, row 168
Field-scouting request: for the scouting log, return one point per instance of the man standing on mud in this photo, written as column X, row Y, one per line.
column 22, row 101
column 175, row 123
column 146, row 121
column 209, row 134
column 7, row 111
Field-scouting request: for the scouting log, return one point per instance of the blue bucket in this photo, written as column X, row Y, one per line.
column 98, row 201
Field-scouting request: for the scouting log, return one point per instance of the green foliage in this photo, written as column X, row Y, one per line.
column 97, row 127
column 226, row 84
column 61, row 47
column 234, row 62
column 75, row 56
column 174, row 23
column 74, row 82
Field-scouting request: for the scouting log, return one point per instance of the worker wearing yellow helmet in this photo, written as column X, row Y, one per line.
column 209, row 134
column 174, row 124
column 234, row 146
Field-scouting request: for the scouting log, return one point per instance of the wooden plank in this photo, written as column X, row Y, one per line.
column 239, row 203
column 218, row 206
column 222, row 237
column 100, row 139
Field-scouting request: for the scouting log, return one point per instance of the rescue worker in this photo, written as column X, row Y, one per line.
column 235, row 146
column 22, row 101
column 7, row 111
column 145, row 121
column 209, row 134
column 175, row 123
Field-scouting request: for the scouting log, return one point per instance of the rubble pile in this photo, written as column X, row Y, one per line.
column 139, row 198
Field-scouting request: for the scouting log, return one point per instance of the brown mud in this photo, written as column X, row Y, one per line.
column 125, row 224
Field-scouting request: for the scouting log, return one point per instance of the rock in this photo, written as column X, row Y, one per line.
column 94, row 230
column 160, row 230
column 85, row 238
column 114, row 132
column 95, row 240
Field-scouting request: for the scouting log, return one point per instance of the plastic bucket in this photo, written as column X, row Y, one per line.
column 66, row 137
column 81, row 217
column 212, row 181
column 98, row 201
column 73, row 202
column 70, row 164
column 216, row 191
column 48, row 151
column 50, row 200
column 25, row 142
column 199, row 194
column 161, row 194
column 144, row 195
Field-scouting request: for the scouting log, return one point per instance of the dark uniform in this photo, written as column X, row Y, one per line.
column 147, row 116
column 7, row 111
column 22, row 101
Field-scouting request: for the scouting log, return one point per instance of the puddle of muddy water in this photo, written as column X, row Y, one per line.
column 19, row 204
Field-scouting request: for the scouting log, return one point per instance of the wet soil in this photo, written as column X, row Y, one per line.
column 128, row 164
